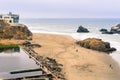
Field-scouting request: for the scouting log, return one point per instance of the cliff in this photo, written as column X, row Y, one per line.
column 18, row 31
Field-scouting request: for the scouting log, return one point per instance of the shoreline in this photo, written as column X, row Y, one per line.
column 63, row 49
column 115, row 55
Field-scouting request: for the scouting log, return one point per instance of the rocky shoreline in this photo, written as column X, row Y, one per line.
column 115, row 29
column 45, row 62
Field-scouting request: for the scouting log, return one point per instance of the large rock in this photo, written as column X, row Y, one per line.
column 96, row 44
column 82, row 29
column 115, row 28
column 18, row 31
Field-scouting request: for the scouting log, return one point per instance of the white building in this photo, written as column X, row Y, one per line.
column 10, row 18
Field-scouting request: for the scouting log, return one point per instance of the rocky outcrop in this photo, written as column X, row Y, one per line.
column 18, row 31
column 115, row 29
column 48, row 64
column 82, row 29
column 96, row 44
column 105, row 31
column 3, row 23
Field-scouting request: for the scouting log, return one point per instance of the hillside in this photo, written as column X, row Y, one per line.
column 17, row 31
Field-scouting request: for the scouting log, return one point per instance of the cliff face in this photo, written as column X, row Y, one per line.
column 3, row 23
column 18, row 31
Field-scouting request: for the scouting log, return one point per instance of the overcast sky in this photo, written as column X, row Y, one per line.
column 62, row 8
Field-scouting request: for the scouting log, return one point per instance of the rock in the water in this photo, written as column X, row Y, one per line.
column 115, row 29
column 107, row 32
column 82, row 29
column 18, row 31
column 96, row 44
column 103, row 30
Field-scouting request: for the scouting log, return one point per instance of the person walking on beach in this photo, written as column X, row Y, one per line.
column 76, row 50
column 111, row 66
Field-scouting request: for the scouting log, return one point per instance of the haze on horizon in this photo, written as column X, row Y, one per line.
column 62, row 8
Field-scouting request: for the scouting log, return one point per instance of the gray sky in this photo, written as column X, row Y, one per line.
column 62, row 8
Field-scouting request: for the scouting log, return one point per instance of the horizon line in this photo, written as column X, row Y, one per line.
column 72, row 18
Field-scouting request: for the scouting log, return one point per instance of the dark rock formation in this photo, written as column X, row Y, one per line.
column 103, row 30
column 96, row 44
column 82, row 29
column 115, row 29
column 18, row 31
column 26, row 43
column 107, row 32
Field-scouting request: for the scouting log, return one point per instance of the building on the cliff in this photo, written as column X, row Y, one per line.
column 10, row 18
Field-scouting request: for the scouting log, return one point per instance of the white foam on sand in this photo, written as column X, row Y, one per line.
column 116, row 56
column 81, row 36
column 48, row 32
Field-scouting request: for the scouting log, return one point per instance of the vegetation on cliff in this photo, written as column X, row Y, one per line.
column 17, row 31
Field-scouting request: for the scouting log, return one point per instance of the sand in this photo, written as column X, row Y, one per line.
column 78, row 63
column 10, row 41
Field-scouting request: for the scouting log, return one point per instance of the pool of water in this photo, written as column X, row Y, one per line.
column 15, row 61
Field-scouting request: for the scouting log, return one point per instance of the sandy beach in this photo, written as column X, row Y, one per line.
column 78, row 63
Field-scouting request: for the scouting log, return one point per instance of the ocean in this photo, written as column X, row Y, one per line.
column 70, row 26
